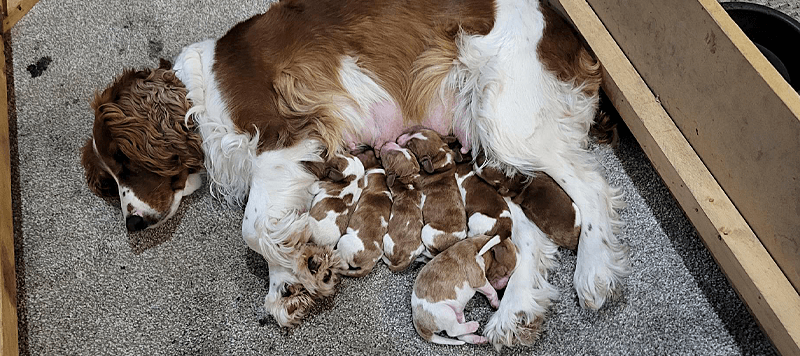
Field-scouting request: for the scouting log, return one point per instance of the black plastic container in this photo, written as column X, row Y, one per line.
column 776, row 34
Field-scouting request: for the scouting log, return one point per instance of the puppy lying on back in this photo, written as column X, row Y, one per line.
column 362, row 246
column 402, row 243
column 541, row 199
column 335, row 195
column 445, row 285
column 486, row 210
column 442, row 207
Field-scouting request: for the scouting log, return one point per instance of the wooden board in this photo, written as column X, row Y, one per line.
column 15, row 10
column 737, row 112
column 8, row 282
column 741, row 255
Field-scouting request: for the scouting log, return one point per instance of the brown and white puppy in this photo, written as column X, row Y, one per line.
column 402, row 243
column 487, row 211
column 541, row 199
column 362, row 246
column 445, row 285
column 442, row 207
column 335, row 195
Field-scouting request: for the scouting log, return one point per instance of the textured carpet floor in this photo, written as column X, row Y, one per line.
column 87, row 287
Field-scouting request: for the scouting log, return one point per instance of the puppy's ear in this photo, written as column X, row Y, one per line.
column 164, row 64
column 427, row 165
column 449, row 139
column 335, row 174
column 390, row 177
column 99, row 181
column 457, row 156
column 316, row 168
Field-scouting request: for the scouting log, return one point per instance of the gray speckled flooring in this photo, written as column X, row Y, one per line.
column 88, row 287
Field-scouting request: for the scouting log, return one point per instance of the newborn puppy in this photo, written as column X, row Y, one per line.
column 362, row 246
column 445, row 285
column 541, row 199
column 442, row 207
column 335, row 194
column 486, row 210
column 402, row 243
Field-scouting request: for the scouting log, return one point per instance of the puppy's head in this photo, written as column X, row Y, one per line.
column 340, row 167
column 369, row 159
column 317, row 268
column 142, row 148
column 432, row 152
column 505, row 185
column 500, row 262
column 399, row 163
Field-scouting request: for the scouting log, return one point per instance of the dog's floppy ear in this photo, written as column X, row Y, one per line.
column 100, row 182
column 427, row 165
column 390, row 177
column 164, row 64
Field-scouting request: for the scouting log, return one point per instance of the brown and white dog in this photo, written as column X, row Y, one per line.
column 542, row 201
column 507, row 77
column 335, row 196
column 402, row 243
column 445, row 285
column 443, row 215
column 362, row 246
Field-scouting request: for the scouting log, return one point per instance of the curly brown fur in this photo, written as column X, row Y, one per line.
column 317, row 268
column 143, row 116
column 293, row 306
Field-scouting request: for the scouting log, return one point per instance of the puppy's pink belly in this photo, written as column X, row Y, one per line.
column 384, row 123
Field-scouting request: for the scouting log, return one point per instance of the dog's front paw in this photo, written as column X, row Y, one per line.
column 291, row 307
column 318, row 270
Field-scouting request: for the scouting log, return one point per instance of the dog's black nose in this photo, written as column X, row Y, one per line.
column 135, row 223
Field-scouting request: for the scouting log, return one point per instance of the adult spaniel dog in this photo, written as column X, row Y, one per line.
column 311, row 78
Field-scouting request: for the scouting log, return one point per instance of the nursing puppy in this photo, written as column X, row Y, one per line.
column 442, row 207
column 445, row 285
column 402, row 243
column 334, row 196
column 362, row 246
column 541, row 199
column 486, row 210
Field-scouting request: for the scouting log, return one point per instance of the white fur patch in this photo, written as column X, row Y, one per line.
column 480, row 224
column 229, row 154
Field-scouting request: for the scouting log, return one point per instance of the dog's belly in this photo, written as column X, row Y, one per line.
column 384, row 123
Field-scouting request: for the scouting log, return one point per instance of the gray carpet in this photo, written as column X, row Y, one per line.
column 87, row 287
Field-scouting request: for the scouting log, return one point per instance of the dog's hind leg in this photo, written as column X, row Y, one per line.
column 526, row 120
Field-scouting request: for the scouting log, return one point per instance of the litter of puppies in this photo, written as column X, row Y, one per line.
column 426, row 200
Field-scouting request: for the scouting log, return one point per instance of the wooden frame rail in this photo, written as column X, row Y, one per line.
column 743, row 258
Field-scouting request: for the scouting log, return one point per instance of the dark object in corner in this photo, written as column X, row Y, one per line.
column 774, row 33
